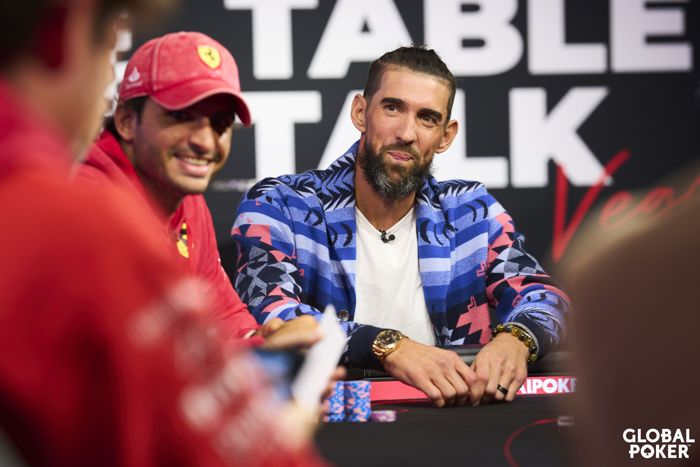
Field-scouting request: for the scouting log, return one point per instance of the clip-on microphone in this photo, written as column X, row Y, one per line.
column 386, row 239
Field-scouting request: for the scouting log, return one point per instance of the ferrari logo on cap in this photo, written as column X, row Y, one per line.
column 209, row 55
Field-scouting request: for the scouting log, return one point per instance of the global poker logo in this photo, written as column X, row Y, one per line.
column 658, row 444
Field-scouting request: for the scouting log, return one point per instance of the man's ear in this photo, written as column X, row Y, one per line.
column 448, row 135
column 125, row 121
column 358, row 112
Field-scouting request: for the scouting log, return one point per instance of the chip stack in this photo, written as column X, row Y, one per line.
column 357, row 401
column 336, row 404
column 383, row 416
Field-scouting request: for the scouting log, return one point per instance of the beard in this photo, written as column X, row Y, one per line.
column 378, row 173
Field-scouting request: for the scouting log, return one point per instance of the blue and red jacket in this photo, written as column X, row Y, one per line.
column 296, row 237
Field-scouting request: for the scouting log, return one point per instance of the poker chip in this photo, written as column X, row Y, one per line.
column 336, row 404
column 384, row 416
column 357, row 401
column 333, row 418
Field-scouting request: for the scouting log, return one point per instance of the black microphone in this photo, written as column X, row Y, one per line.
column 386, row 239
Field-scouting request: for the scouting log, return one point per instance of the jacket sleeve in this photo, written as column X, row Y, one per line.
column 518, row 288
column 268, row 278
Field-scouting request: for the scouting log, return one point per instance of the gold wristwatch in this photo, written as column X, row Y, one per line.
column 387, row 342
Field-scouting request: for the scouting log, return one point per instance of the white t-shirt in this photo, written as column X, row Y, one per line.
column 388, row 288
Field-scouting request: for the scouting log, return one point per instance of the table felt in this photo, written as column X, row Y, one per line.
column 424, row 435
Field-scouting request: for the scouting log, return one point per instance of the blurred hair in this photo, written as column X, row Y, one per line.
column 417, row 58
column 25, row 25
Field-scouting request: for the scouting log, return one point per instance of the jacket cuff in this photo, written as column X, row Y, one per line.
column 359, row 352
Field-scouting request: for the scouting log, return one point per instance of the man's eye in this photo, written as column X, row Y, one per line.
column 222, row 125
column 390, row 107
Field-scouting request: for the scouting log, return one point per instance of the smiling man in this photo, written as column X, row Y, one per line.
column 170, row 134
column 411, row 263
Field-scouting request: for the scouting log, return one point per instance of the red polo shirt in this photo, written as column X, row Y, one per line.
column 106, row 163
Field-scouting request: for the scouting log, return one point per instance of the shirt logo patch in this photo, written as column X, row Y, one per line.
column 182, row 242
column 209, row 55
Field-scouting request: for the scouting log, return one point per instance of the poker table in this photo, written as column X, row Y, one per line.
column 530, row 431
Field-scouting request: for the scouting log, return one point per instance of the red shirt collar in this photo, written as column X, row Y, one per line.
column 109, row 145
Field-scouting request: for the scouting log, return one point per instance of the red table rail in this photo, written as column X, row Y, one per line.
column 395, row 391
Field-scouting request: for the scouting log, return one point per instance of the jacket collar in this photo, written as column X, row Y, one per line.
column 337, row 188
column 336, row 191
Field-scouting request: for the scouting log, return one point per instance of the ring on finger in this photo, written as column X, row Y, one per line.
column 503, row 390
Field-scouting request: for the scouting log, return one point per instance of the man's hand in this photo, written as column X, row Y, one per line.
column 503, row 361
column 299, row 333
column 439, row 373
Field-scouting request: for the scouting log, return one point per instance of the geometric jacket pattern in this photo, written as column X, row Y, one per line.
column 296, row 254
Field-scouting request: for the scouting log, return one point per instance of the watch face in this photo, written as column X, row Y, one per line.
column 388, row 337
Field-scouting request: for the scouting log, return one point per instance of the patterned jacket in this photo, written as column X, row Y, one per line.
column 296, row 240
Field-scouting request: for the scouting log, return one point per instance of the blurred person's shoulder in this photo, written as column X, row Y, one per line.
column 78, row 227
column 75, row 208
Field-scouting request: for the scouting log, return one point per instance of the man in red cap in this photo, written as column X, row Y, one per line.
column 170, row 133
column 103, row 359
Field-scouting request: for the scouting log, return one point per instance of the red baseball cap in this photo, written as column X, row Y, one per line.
column 180, row 69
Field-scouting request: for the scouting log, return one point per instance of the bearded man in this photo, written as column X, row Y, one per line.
column 411, row 263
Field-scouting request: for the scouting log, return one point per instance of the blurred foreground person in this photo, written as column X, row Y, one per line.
column 170, row 134
column 103, row 360
column 636, row 337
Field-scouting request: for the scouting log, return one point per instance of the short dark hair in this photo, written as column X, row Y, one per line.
column 22, row 23
column 136, row 105
column 416, row 58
